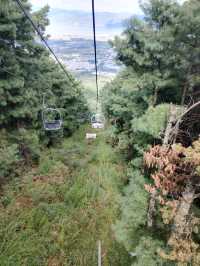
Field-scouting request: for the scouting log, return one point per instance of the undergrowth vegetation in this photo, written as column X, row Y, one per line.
column 56, row 213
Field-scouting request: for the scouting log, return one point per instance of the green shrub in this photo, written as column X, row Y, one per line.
column 153, row 122
column 28, row 145
column 134, row 205
column 9, row 158
column 45, row 165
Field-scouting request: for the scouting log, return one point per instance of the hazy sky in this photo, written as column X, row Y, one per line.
column 130, row 6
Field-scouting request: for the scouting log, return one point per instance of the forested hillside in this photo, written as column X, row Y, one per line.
column 27, row 74
column 148, row 105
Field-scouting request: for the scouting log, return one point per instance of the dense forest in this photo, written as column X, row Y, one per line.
column 153, row 106
column 136, row 187
column 27, row 73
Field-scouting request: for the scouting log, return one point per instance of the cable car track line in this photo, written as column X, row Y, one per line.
column 27, row 15
column 95, row 48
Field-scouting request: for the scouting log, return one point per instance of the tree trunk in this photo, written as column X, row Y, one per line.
column 181, row 221
column 151, row 210
column 185, row 89
column 170, row 125
column 155, row 98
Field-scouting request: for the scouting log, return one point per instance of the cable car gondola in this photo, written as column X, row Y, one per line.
column 97, row 121
column 51, row 118
column 51, row 124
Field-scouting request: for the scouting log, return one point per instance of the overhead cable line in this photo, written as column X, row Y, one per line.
column 95, row 48
column 8, row 72
column 27, row 15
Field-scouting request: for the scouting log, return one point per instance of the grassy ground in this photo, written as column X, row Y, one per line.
column 55, row 214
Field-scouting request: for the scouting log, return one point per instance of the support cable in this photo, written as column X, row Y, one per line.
column 28, row 16
column 95, row 49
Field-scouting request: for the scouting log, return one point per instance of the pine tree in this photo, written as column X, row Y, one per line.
column 161, row 57
column 27, row 73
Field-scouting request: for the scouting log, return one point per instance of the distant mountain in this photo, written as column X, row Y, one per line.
column 66, row 23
